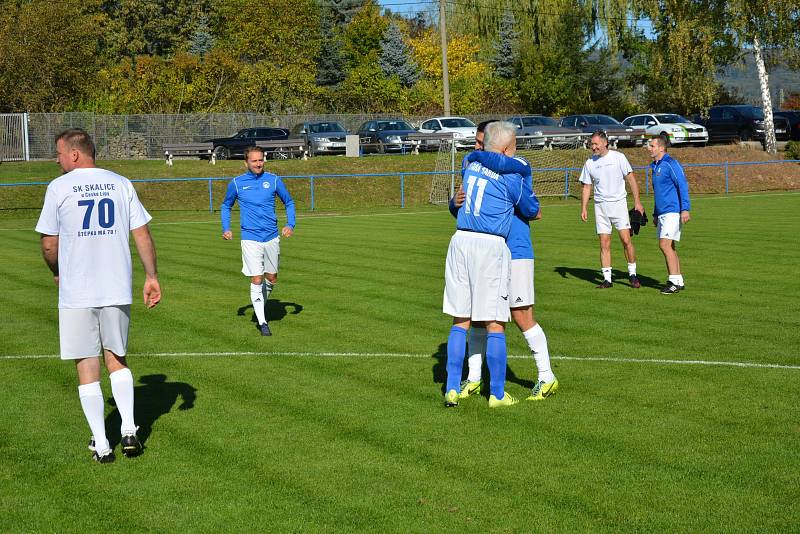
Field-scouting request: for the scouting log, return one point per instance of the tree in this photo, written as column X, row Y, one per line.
column 396, row 58
column 363, row 35
column 152, row 27
column 45, row 64
column 202, row 40
column 506, row 52
column 767, row 26
column 330, row 62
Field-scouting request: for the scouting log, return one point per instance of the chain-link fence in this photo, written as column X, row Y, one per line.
column 142, row 136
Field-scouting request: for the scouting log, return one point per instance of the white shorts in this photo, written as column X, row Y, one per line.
column 476, row 277
column 84, row 332
column 259, row 258
column 521, row 289
column 669, row 226
column 611, row 212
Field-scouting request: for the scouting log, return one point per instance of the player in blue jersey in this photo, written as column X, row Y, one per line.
column 256, row 191
column 478, row 263
column 671, row 192
column 521, row 295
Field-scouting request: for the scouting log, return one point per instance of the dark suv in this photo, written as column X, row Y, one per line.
column 229, row 147
column 741, row 123
column 793, row 117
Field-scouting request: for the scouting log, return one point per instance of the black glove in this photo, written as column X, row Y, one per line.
column 643, row 222
column 636, row 220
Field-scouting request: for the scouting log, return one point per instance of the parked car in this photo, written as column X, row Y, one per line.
column 534, row 131
column 740, row 123
column 794, row 122
column 383, row 136
column 233, row 146
column 324, row 137
column 673, row 127
column 463, row 130
column 615, row 130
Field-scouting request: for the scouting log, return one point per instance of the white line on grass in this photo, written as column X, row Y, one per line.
column 751, row 365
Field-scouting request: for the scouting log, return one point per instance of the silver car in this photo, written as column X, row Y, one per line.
column 323, row 137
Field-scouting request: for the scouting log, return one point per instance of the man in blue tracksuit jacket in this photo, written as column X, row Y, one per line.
column 671, row 192
column 256, row 191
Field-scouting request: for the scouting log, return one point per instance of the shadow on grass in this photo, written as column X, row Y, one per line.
column 154, row 398
column 594, row 277
column 439, row 372
column 275, row 310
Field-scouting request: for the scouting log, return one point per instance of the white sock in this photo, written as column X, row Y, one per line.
column 477, row 346
column 257, row 298
column 267, row 289
column 632, row 269
column 606, row 273
column 93, row 406
column 122, row 389
column 537, row 342
column 676, row 279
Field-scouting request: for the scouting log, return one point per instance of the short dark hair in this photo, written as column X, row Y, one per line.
column 79, row 139
column 482, row 126
column 250, row 149
column 661, row 140
column 601, row 134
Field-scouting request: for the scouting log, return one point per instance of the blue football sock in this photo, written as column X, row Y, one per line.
column 456, row 349
column 496, row 358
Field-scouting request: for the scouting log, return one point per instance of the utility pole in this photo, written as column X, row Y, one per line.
column 445, row 74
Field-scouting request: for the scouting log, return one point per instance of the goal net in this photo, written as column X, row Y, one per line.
column 556, row 164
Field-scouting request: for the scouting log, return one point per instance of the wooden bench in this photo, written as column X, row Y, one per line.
column 284, row 148
column 200, row 150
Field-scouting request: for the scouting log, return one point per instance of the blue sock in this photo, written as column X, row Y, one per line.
column 456, row 349
column 496, row 358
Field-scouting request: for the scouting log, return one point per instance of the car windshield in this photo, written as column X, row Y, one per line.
column 538, row 121
column 671, row 118
column 325, row 127
column 457, row 123
column 393, row 125
column 602, row 119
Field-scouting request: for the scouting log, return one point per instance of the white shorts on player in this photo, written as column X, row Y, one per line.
column 608, row 213
column 521, row 288
column 669, row 226
column 476, row 277
column 259, row 258
column 85, row 332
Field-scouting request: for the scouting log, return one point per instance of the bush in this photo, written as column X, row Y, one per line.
column 792, row 150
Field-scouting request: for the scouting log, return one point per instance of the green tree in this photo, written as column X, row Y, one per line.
column 330, row 62
column 768, row 27
column 506, row 52
column 396, row 58
column 45, row 64
column 363, row 35
column 152, row 27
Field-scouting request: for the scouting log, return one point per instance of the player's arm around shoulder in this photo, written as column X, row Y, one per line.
column 527, row 203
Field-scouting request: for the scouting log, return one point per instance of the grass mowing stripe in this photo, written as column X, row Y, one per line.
column 753, row 365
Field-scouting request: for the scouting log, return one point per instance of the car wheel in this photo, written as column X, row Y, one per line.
column 744, row 135
column 222, row 152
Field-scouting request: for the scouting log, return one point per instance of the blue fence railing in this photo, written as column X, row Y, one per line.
column 312, row 179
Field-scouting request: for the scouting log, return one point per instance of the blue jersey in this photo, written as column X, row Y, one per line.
column 491, row 198
column 256, row 195
column 670, row 188
column 519, row 236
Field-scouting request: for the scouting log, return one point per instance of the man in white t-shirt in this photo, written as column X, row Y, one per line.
column 86, row 221
column 607, row 171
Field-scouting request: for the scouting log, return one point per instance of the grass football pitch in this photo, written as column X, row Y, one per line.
column 677, row 413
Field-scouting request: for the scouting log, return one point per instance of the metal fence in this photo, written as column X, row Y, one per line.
column 142, row 136
column 405, row 189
